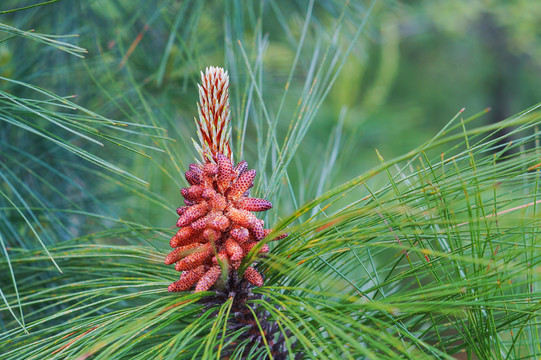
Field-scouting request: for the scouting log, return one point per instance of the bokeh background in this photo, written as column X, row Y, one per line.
column 386, row 75
column 414, row 66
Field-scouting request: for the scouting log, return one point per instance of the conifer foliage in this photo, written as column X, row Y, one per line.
column 431, row 254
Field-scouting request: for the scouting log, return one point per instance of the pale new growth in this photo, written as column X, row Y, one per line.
column 214, row 115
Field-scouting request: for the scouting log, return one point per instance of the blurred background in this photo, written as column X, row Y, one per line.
column 386, row 75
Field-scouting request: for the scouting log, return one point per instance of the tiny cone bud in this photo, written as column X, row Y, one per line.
column 243, row 218
column 246, row 247
column 210, row 169
column 193, row 193
column 220, row 223
column 185, row 232
column 181, row 210
column 194, row 212
column 208, row 279
column 196, row 168
column 241, row 167
column 176, row 242
column 187, row 279
column 264, row 249
column 189, row 202
column 184, row 193
column 240, row 234
column 202, row 222
column 192, row 177
column 218, row 202
column 280, row 237
column 258, row 231
column 225, row 169
column 184, row 236
column 211, row 235
column 193, row 260
column 254, row 204
column 180, row 252
column 253, row 277
column 222, row 256
column 209, row 193
column 233, row 249
column 243, row 183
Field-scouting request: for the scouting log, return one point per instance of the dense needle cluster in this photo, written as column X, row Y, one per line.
column 251, row 320
column 217, row 226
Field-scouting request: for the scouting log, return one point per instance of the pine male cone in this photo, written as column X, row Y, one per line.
column 217, row 227
column 216, row 224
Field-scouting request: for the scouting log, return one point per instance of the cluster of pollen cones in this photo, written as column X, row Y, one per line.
column 217, row 226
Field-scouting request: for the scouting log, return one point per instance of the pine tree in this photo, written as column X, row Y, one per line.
column 433, row 254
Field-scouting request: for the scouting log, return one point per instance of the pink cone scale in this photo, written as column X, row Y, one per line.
column 217, row 224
